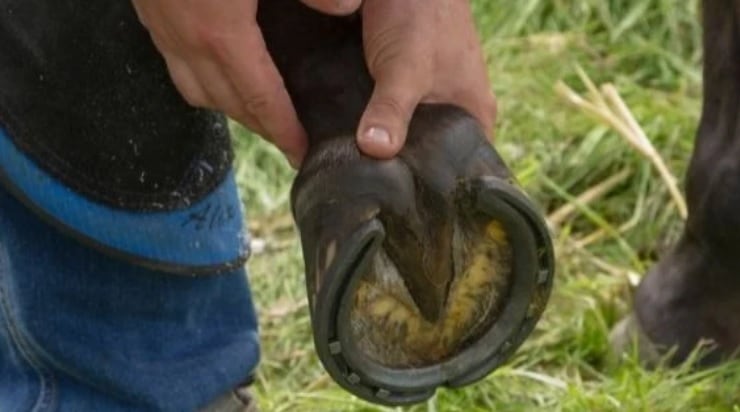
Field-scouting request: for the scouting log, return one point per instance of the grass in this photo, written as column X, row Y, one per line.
column 650, row 49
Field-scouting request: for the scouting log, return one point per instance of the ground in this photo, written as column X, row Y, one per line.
column 650, row 49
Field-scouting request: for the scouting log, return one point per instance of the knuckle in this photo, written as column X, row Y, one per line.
column 259, row 103
column 384, row 47
column 207, row 40
column 197, row 38
column 219, row 48
column 389, row 107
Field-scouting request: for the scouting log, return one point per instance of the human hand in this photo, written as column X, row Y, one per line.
column 420, row 51
column 217, row 59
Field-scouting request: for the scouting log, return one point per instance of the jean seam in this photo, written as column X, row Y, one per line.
column 47, row 391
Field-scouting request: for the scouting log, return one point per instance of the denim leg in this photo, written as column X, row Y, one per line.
column 25, row 384
column 80, row 331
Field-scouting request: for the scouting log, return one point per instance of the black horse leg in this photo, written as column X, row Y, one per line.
column 693, row 293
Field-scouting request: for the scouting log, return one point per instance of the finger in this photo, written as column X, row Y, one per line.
column 224, row 97
column 140, row 12
column 400, row 62
column 181, row 74
column 255, row 127
column 252, row 124
column 462, row 73
column 384, row 124
column 486, row 114
column 187, row 82
column 482, row 106
column 221, row 93
column 264, row 96
column 334, row 7
column 276, row 115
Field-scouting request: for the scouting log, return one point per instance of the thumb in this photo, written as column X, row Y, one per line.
column 384, row 125
column 399, row 60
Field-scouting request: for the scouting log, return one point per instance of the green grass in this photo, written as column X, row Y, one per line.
column 650, row 49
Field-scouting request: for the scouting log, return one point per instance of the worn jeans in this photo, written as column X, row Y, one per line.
column 80, row 331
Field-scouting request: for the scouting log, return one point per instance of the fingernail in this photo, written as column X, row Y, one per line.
column 377, row 135
column 346, row 6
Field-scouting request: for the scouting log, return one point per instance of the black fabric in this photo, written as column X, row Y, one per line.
column 84, row 93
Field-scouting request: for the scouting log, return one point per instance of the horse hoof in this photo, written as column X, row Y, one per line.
column 422, row 271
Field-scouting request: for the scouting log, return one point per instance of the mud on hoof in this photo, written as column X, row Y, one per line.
column 425, row 270
column 388, row 326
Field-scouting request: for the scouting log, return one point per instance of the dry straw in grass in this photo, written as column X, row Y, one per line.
column 606, row 105
column 556, row 218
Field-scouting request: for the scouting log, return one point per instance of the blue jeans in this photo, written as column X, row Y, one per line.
column 80, row 331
